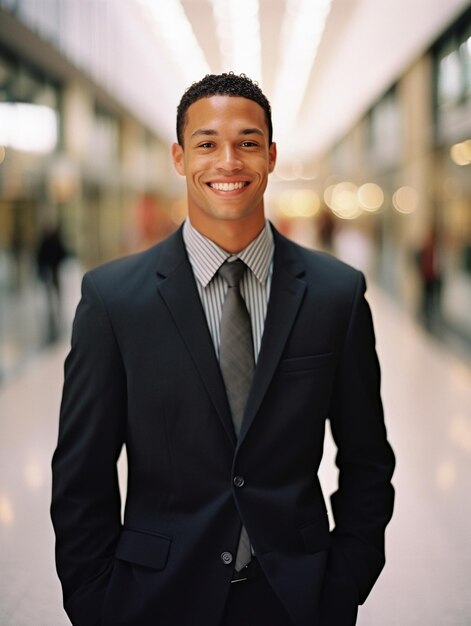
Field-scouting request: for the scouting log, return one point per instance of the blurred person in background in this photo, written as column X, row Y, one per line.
column 50, row 255
column 430, row 273
column 326, row 226
column 17, row 248
column 216, row 358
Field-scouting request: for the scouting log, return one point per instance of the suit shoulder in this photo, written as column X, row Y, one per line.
column 330, row 279
column 122, row 266
column 331, row 264
column 115, row 277
column 129, row 270
column 321, row 264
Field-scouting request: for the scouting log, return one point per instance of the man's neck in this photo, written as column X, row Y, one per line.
column 231, row 236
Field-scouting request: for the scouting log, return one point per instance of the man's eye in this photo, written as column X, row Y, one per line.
column 249, row 144
column 206, row 144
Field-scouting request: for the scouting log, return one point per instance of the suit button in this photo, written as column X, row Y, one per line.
column 226, row 558
column 239, row 481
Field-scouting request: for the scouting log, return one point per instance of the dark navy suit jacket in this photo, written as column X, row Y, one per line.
column 142, row 372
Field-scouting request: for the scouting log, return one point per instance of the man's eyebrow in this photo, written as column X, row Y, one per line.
column 208, row 132
column 204, row 131
column 252, row 131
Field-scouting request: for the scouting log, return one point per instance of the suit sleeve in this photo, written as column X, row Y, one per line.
column 363, row 504
column 85, row 506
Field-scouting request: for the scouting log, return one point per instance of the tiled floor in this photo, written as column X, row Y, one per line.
column 427, row 396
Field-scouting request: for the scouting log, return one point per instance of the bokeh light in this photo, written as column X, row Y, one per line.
column 298, row 203
column 345, row 201
column 370, row 197
column 461, row 152
column 406, row 199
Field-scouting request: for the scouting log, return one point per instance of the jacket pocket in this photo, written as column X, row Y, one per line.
column 143, row 548
column 304, row 363
column 316, row 534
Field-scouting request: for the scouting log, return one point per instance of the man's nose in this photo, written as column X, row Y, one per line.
column 228, row 159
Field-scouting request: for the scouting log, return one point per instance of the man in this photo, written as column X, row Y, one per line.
column 225, row 521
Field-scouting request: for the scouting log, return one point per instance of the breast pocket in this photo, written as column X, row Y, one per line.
column 143, row 548
column 306, row 363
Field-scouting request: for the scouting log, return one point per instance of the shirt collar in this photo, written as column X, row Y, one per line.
column 206, row 257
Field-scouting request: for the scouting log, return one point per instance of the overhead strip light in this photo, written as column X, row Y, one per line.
column 238, row 30
column 168, row 17
column 303, row 26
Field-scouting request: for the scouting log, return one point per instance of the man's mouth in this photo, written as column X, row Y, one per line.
column 228, row 186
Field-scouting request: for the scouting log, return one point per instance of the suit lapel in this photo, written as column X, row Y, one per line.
column 286, row 294
column 177, row 287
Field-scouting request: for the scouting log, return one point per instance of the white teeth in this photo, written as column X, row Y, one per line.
column 227, row 186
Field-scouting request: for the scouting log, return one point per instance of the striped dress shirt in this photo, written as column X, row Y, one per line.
column 206, row 258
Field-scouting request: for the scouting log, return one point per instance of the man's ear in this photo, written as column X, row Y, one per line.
column 271, row 157
column 178, row 160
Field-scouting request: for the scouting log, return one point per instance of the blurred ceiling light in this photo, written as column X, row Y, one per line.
column 28, row 127
column 370, row 197
column 238, row 29
column 406, row 199
column 303, row 26
column 461, row 152
column 168, row 17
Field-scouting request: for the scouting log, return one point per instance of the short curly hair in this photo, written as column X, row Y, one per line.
column 227, row 84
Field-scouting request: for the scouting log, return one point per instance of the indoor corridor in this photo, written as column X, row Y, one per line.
column 370, row 103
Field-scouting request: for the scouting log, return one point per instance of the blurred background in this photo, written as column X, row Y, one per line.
column 371, row 107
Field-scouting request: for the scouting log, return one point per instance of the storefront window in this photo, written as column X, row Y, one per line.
column 384, row 132
column 450, row 83
column 465, row 50
column 453, row 67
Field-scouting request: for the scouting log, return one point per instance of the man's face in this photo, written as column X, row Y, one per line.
column 226, row 161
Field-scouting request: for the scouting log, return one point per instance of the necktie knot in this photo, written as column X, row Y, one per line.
column 232, row 272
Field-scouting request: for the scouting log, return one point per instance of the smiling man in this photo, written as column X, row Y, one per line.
column 216, row 358
column 226, row 153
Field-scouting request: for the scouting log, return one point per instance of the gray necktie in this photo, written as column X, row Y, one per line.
column 237, row 363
